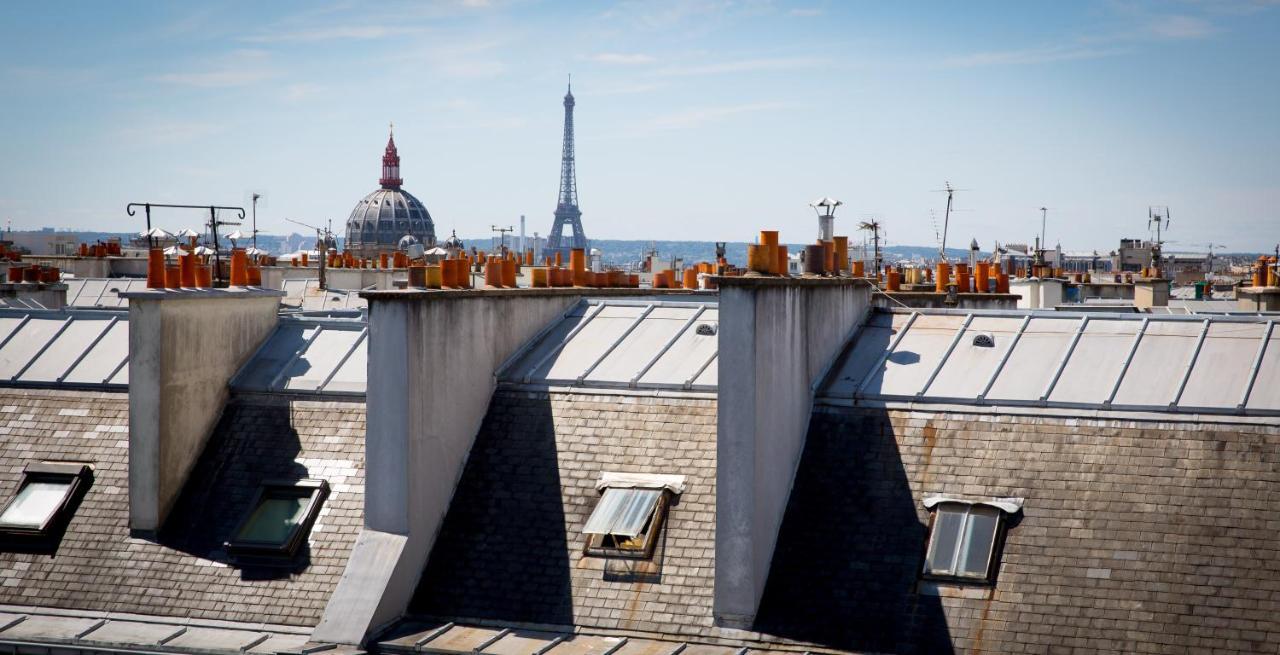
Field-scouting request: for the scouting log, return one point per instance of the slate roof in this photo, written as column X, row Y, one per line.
column 97, row 564
column 1136, row 536
column 510, row 548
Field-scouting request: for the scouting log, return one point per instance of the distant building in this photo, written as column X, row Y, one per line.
column 381, row 218
column 1133, row 255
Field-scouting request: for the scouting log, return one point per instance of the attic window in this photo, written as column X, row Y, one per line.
column 627, row 520
column 44, row 498
column 965, row 539
column 279, row 519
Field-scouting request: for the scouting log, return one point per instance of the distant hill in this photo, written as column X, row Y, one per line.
column 621, row 251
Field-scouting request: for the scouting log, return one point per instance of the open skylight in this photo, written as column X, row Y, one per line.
column 279, row 519
column 43, row 499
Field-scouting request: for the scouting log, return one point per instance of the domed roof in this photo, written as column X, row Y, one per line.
column 453, row 242
column 381, row 218
column 408, row 240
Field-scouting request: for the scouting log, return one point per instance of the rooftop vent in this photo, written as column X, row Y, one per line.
column 984, row 340
column 707, row 329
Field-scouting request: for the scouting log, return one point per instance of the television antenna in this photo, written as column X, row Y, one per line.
column 946, row 218
column 322, row 242
column 1157, row 219
column 502, row 236
column 874, row 227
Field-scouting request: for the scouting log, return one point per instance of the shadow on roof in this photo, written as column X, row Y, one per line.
column 224, row 482
column 502, row 553
column 851, row 547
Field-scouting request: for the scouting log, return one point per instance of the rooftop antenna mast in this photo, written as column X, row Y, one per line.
column 256, row 197
column 502, row 236
column 946, row 218
column 1157, row 217
column 873, row 226
column 322, row 245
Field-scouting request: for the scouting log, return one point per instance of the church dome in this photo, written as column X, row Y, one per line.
column 381, row 218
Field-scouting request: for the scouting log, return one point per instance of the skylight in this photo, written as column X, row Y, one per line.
column 629, row 516
column 279, row 519
column 625, row 522
column 964, row 540
column 43, row 499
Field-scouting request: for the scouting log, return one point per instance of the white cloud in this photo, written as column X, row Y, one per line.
column 168, row 132
column 216, row 79
column 237, row 68
column 698, row 116
column 744, row 66
column 343, row 33
column 301, row 91
column 621, row 58
column 1032, row 56
column 1180, row 27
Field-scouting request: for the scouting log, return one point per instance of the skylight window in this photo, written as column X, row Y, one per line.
column 279, row 519
column 627, row 520
column 965, row 538
column 43, row 500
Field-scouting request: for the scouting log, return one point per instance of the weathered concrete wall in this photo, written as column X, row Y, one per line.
column 925, row 299
column 777, row 337
column 94, row 266
column 1037, row 293
column 432, row 359
column 183, row 349
column 49, row 296
column 349, row 279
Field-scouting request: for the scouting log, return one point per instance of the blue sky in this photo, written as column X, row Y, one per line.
column 696, row 119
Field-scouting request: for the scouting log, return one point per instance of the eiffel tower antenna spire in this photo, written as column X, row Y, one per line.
column 567, row 213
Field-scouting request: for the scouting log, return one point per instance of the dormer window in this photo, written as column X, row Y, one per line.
column 44, row 499
column 629, row 517
column 279, row 519
column 965, row 538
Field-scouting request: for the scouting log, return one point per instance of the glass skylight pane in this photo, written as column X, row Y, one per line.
column 274, row 519
column 34, row 504
column 946, row 538
column 980, row 536
column 622, row 512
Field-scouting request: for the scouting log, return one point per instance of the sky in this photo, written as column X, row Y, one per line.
column 695, row 119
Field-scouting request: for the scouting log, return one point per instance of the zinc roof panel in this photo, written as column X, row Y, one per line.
column 1222, row 369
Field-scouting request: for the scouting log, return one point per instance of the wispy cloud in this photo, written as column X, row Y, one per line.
column 1180, row 27
column 167, row 132
column 806, row 12
column 621, row 58
column 335, row 33
column 1032, row 56
column 624, row 88
column 301, row 91
column 700, row 116
column 463, row 59
column 237, row 68
column 743, row 66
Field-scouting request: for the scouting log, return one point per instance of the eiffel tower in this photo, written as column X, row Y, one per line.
column 567, row 212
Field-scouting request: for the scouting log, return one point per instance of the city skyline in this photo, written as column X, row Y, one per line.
column 695, row 120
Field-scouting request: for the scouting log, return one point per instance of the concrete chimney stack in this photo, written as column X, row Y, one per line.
column 184, row 346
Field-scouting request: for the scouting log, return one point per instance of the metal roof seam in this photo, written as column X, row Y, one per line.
column 1191, row 363
column 1066, row 356
column 885, row 357
column 1257, row 364
column 1133, row 349
column 93, row 344
column 946, row 355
